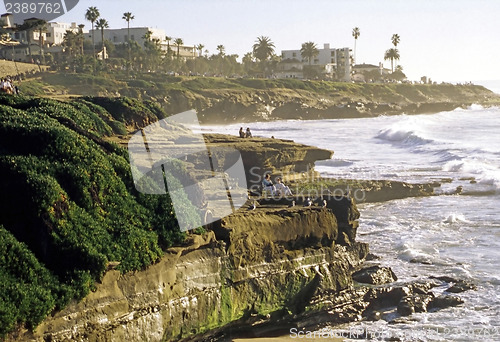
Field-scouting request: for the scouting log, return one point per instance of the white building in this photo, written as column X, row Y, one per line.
column 335, row 63
column 54, row 32
column 137, row 34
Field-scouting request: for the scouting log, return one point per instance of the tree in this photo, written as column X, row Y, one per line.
column 263, row 48
column 355, row 33
column 395, row 39
column 392, row 54
column 128, row 16
column 221, row 50
column 30, row 26
column 178, row 42
column 102, row 24
column 70, row 42
column 398, row 74
column 200, row 48
column 92, row 15
column 309, row 50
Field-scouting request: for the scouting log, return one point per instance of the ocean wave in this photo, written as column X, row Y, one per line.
column 454, row 218
column 405, row 132
column 335, row 163
column 485, row 175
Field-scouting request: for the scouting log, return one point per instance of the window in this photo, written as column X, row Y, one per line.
column 132, row 37
column 115, row 39
column 48, row 34
column 294, row 54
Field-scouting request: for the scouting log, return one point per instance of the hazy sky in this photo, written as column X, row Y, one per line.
column 447, row 40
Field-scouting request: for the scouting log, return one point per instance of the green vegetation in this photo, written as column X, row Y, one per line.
column 69, row 205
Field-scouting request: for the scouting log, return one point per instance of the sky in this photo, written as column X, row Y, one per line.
column 446, row 40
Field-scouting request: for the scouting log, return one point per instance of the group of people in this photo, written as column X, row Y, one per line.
column 278, row 189
column 245, row 134
column 6, row 86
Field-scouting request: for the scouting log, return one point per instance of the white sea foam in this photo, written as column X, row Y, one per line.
column 454, row 218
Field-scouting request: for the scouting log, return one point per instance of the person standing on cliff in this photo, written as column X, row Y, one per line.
column 242, row 133
column 248, row 134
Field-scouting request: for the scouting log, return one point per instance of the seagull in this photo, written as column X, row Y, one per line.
column 292, row 205
column 308, row 202
column 253, row 206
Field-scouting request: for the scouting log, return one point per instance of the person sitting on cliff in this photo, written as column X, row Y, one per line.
column 248, row 134
column 242, row 133
column 282, row 189
column 267, row 185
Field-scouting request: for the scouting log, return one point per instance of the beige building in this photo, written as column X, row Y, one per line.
column 333, row 63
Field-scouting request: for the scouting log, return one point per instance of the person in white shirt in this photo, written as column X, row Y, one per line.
column 282, row 189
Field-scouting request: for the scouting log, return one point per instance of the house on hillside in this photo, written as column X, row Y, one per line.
column 330, row 63
column 369, row 72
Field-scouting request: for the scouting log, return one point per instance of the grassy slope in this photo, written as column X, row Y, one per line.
column 68, row 203
column 158, row 86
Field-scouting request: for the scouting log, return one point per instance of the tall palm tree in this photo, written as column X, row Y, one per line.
column 309, row 50
column 92, row 15
column 169, row 50
column 392, row 54
column 128, row 16
column 355, row 33
column 395, row 39
column 178, row 42
column 263, row 48
column 102, row 24
column 81, row 39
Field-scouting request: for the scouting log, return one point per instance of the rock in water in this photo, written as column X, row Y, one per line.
column 375, row 275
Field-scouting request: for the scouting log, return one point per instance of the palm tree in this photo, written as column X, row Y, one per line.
column 309, row 50
column 81, row 39
column 92, row 15
column 70, row 42
column 102, row 24
column 29, row 26
column 395, row 39
column 221, row 50
column 200, row 48
column 355, row 33
column 263, row 48
column 392, row 54
column 178, row 42
column 169, row 50
column 128, row 16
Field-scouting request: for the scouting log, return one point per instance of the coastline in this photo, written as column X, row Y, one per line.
column 274, row 264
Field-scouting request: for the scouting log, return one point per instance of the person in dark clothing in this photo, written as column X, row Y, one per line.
column 242, row 133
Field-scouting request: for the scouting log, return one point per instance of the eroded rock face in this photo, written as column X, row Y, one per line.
column 263, row 261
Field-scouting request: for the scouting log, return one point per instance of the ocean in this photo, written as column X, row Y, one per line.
column 446, row 235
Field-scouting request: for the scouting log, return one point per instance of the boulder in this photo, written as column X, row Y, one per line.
column 375, row 275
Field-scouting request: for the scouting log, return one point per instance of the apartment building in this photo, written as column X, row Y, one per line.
column 334, row 63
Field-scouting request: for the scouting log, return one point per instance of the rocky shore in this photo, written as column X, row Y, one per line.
column 220, row 106
column 254, row 273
